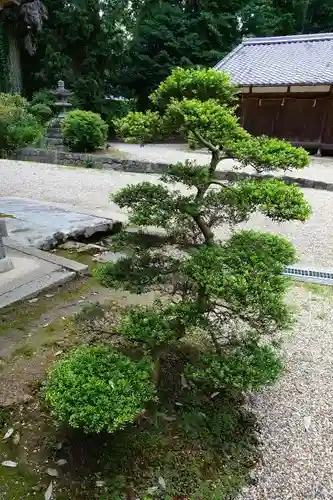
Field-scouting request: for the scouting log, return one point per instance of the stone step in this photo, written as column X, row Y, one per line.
column 54, row 134
column 53, row 141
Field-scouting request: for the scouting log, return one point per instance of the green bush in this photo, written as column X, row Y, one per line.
column 13, row 101
column 18, row 127
column 44, row 96
column 97, row 389
column 243, row 367
column 112, row 110
column 42, row 112
column 84, row 131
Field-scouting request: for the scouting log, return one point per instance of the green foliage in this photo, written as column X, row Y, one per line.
column 138, row 127
column 243, row 367
column 183, row 34
column 84, row 131
column 13, row 100
column 96, row 389
column 137, row 273
column 159, row 325
column 264, row 153
column 228, row 296
column 101, row 30
column 201, row 84
column 18, row 127
column 207, row 120
column 269, row 17
column 43, row 96
column 42, row 112
column 274, row 198
column 244, row 276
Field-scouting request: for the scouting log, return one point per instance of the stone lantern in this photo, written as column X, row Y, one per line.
column 62, row 104
column 53, row 133
column 5, row 263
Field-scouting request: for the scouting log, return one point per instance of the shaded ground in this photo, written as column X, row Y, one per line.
column 185, row 448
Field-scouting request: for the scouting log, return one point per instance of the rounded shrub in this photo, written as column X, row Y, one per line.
column 97, row 389
column 84, row 131
column 18, row 127
column 42, row 112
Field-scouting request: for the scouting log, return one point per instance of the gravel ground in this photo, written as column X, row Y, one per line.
column 88, row 191
column 296, row 415
column 319, row 168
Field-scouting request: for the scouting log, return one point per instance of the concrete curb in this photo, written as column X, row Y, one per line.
column 60, row 157
column 70, row 265
column 35, row 287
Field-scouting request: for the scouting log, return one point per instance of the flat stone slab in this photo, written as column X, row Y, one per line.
column 29, row 277
column 34, row 271
column 45, row 226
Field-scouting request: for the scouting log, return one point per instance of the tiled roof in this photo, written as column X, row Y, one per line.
column 283, row 60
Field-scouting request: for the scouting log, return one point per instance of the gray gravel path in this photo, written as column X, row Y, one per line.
column 319, row 168
column 88, row 191
column 296, row 415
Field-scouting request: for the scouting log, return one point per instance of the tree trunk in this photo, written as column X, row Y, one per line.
column 14, row 63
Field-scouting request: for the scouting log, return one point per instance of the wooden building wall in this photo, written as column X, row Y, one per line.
column 303, row 120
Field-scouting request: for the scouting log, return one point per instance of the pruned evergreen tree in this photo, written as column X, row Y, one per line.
column 228, row 293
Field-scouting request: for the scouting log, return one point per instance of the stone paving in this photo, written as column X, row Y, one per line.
column 45, row 226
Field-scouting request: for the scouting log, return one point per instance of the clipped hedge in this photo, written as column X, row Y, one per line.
column 84, row 131
column 97, row 389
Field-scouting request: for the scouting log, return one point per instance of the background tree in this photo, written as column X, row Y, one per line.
column 81, row 43
column 176, row 33
column 22, row 20
column 283, row 17
column 228, row 294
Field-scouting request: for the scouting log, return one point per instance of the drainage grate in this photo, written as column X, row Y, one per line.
column 304, row 274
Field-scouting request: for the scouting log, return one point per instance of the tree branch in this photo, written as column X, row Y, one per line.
column 218, row 183
column 205, row 229
column 204, row 141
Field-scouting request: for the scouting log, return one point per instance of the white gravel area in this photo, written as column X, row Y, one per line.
column 296, row 415
column 319, row 168
column 88, row 190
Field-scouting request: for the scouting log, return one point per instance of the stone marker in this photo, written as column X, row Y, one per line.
column 53, row 132
column 5, row 263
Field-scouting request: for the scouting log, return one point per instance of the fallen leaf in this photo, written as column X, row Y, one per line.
column 9, row 463
column 49, row 295
column 307, row 423
column 32, row 301
column 48, row 492
column 46, row 325
column 161, row 482
column 178, row 404
column 100, row 484
column 8, row 433
column 63, row 318
column 58, row 353
column 152, row 490
column 183, row 381
column 212, row 396
column 52, row 472
column 169, row 419
column 61, row 461
column 16, row 438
